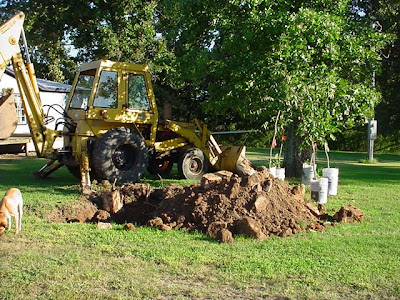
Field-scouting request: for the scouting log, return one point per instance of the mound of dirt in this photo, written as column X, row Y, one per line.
column 222, row 205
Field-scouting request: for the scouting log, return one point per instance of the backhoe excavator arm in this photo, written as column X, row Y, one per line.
column 10, row 34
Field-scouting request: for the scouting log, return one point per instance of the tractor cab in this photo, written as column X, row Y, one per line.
column 107, row 94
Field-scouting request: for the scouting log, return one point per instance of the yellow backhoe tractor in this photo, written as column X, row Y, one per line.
column 110, row 125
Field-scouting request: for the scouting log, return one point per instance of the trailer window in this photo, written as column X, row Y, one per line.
column 20, row 109
column 107, row 90
column 82, row 90
column 137, row 92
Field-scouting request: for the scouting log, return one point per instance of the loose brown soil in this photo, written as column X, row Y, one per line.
column 349, row 214
column 80, row 211
column 222, row 205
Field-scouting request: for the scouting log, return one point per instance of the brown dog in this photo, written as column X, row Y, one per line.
column 11, row 206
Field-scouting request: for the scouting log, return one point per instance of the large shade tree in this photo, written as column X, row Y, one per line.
column 312, row 61
column 63, row 33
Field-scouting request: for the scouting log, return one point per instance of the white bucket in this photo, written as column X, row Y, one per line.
column 280, row 173
column 272, row 171
column 333, row 178
column 319, row 190
column 308, row 173
column 314, row 189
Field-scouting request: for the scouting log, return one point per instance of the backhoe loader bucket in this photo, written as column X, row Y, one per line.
column 8, row 116
column 233, row 158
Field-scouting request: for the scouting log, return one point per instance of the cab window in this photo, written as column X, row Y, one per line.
column 107, row 90
column 83, row 87
column 137, row 93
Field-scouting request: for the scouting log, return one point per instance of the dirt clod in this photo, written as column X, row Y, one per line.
column 112, row 201
column 156, row 222
column 165, row 227
column 299, row 190
column 349, row 214
column 218, row 231
column 130, row 226
column 102, row 216
column 215, row 228
column 225, row 236
column 250, row 227
column 102, row 225
column 260, row 204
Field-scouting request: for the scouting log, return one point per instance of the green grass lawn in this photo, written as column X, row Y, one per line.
column 77, row 261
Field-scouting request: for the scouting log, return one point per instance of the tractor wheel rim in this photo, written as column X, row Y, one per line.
column 123, row 157
column 195, row 165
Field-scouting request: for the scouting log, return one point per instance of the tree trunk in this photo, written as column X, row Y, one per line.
column 294, row 156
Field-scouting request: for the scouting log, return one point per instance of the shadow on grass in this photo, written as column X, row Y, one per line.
column 19, row 172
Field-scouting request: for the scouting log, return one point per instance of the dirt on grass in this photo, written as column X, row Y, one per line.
column 222, row 205
column 80, row 211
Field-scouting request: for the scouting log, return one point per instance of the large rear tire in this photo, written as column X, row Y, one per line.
column 192, row 164
column 121, row 155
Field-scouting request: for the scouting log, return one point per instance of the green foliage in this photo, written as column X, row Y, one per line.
column 356, row 139
column 386, row 15
column 311, row 61
column 116, row 30
column 45, row 28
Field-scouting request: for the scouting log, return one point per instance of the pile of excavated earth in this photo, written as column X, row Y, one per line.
column 222, row 205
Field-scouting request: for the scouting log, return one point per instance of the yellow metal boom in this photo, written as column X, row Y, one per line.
column 10, row 34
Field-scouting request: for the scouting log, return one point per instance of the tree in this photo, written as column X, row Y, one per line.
column 116, row 30
column 311, row 61
column 45, row 27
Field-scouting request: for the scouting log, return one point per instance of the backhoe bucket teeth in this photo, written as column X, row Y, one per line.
column 8, row 116
column 233, row 158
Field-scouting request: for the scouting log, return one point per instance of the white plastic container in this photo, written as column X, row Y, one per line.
column 308, row 173
column 323, row 191
column 332, row 174
column 319, row 190
column 272, row 171
column 280, row 173
column 314, row 189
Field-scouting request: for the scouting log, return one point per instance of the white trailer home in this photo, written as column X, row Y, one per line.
column 53, row 96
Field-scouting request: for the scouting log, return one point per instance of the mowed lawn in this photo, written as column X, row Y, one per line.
column 77, row 261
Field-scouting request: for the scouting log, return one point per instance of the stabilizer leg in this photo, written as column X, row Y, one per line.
column 51, row 166
column 85, row 174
